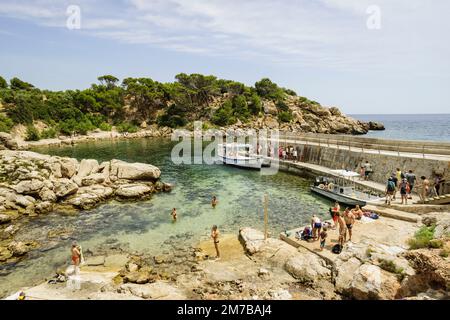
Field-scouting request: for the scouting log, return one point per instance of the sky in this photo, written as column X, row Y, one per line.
column 363, row 56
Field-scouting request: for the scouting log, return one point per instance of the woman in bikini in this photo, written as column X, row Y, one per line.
column 76, row 254
column 215, row 237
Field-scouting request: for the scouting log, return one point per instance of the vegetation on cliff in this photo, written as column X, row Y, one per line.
column 134, row 101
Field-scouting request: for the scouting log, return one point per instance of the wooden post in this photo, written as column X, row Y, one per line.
column 266, row 216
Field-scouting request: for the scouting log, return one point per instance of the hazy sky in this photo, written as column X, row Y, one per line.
column 323, row 49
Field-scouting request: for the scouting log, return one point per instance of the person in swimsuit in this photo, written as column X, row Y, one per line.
column 76, row 254
column 316, row 226
column 404, row 186
column 342, row 230
column 349, row 219
column 424, row 188
column 357, row 212
column 214, row 202
column 215, row 236
column 174, row 214
column 323, row 238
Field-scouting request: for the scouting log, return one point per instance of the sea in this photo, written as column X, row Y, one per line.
column 435, row 127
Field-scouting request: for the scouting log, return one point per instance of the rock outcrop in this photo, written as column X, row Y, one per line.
column 33, row 184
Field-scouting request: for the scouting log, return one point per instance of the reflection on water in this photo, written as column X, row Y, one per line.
column 147, row 226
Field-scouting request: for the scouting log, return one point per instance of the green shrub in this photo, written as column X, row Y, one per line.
column 240, row 108
column 255, row 105
column 104, row 126
column 422, row 238
column 50, row 133
column 174, row 117
column 32, row 134
column 285, row 116
column 5, row 123
column 224, row 115
column 127, row 127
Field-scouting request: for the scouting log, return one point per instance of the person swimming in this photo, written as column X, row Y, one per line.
column 214, row 202
column 174, row 214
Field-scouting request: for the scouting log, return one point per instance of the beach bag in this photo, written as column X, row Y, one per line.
column 374, row 216
column 337, row 248
column 391, row 186
column 307, row 233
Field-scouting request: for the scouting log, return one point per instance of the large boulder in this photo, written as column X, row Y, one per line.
column 252, row 239
column 133, row 190
column 29, row 186
column 134, row 171
column 307, row 267
column 87, row 167
column 92, row 179
column 430, row 267
column 64, row 187
column 19, row 248
column 4, row 218
column 47, row 194
column 366, row 281
column 88, row 197
column 69, row 167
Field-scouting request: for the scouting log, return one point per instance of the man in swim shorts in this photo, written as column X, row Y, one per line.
column 349, row 219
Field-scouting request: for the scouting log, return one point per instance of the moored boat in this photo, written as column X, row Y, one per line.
column 240, row 155
column 343, row 189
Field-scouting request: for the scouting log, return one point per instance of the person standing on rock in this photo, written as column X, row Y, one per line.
column 76, row 255
column 316, row 225
column 323, row 238
column 215, row 236
column 349, row 219
column 404, row 187
column 342, row 229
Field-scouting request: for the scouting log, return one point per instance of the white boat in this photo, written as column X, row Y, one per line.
column 343, row 189
column 240, row 155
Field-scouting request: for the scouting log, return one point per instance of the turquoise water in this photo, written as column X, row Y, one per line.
column 435, row 127
column 146, row 226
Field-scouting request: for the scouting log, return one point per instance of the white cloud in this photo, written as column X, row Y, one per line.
column 323, row 33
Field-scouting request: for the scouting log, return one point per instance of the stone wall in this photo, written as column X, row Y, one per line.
column 383, row 165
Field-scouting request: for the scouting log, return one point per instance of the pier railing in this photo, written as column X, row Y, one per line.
column 364, row 144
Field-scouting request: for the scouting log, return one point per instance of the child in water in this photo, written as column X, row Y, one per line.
column 174, row 214
column 214, row 202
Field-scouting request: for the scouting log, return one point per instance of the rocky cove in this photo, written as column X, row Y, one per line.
column 32, row 184
column 124, row 263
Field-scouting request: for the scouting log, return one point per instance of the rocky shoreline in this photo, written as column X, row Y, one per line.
column 254, row 268
column 32, row 184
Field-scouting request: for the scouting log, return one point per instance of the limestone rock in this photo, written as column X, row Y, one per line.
column 29, row 186
column 4, row 218
column 44, row 207
column 87, row 167
column 19, row 248
column 133, row 190
column 69, row 167
column 95, row 178
column 252, row 239
column 64, row 187
column 47, row 195
column 134, row 171
column 307, row 267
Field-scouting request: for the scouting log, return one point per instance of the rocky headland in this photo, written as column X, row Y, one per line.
column 32, row 184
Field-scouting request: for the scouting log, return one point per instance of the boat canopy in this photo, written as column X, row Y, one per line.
column 345, row 173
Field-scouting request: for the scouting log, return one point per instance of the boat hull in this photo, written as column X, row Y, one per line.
column 254, row 163
column 341, row 198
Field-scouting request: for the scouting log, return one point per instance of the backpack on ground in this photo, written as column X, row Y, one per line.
column 337, row 248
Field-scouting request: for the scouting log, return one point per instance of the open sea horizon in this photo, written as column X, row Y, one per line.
column 434, row 127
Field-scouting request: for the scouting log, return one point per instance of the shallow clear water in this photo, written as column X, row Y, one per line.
column 147, row 226
column 434, row 127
